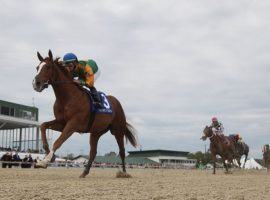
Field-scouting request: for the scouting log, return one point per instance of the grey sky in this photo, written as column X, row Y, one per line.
column 172, row 64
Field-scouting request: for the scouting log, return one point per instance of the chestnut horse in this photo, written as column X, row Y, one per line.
column 72, row 113
column 219, row 145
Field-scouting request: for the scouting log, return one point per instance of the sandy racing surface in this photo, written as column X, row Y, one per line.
column 146, row 184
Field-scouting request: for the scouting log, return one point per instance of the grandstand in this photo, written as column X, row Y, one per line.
column 19, row 128
column 162, row 158
column 165, row 157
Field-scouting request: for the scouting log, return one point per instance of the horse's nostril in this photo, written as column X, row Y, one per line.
column 38, row 83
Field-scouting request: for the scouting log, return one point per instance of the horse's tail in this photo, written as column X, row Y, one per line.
column 131, row 135
column 130, row 132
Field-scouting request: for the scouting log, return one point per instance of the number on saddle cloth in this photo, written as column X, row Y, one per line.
column 106, row 106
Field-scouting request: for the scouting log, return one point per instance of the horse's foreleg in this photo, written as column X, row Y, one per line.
column 239, row 162
column 93, row 152
column 214, row 163
column 230, row 162
column 225, row 165
column 54, row 125
column 67, row 132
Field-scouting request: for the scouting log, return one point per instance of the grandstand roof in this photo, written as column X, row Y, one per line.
column 128, row 160
column 117, row 160
column 157, row 152
column 8, row 122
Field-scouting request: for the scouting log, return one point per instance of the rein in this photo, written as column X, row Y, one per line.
column 212, row 135
column 58, row 82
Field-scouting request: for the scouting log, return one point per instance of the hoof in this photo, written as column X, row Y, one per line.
column 83, row 175
column 121, row 174
column 41, row 165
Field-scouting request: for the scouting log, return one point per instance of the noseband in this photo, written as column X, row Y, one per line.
column 52, row 81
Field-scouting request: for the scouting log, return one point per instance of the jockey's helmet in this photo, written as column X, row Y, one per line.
column 69, row 57
column 214, row 119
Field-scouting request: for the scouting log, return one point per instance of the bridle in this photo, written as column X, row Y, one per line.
column 51, row 81
column 213, row 134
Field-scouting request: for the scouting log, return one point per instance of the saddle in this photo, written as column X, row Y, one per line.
column 105, row 108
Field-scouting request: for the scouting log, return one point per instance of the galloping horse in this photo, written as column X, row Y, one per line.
column 241, row 149
column 266, row 156
column 72, row 113
column 219, row 145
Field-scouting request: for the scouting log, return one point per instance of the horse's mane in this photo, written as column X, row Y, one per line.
column 62, row 68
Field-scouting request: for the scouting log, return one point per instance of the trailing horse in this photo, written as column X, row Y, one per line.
column 72, row 112
column 241, row 148
column 266, row 156
column 219, row 145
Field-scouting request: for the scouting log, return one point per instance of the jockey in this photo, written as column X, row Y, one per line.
column 236, row 137
column 217, row 127
column 86, row 71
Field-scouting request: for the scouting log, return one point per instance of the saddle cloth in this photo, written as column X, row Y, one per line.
column 106, row 105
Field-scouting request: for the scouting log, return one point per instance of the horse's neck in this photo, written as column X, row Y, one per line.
column 216, row 141
column 64, row 89
column 213, row 138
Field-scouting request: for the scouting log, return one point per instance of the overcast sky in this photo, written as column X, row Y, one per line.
column 172, row 64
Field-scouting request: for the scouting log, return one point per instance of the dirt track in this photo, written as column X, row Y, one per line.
column 146, row 184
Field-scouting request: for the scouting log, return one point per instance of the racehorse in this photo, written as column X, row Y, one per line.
column 266, row 156
column 241, row 148
column 219, row 145
column 72, row 113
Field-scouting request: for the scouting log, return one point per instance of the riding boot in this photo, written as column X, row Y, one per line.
column 96, row 97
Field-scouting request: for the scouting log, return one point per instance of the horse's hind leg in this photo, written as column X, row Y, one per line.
column 93, row 152
column 225, row 165
column 120, row 141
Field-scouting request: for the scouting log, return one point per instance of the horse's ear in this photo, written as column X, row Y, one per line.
column 50, row 55
column 39, row 57
column 57, row 60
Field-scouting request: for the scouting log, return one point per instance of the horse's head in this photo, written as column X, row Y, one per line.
column 47, row 72
column 207, row 132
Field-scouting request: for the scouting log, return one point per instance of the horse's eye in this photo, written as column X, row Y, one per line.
column 37, row 68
